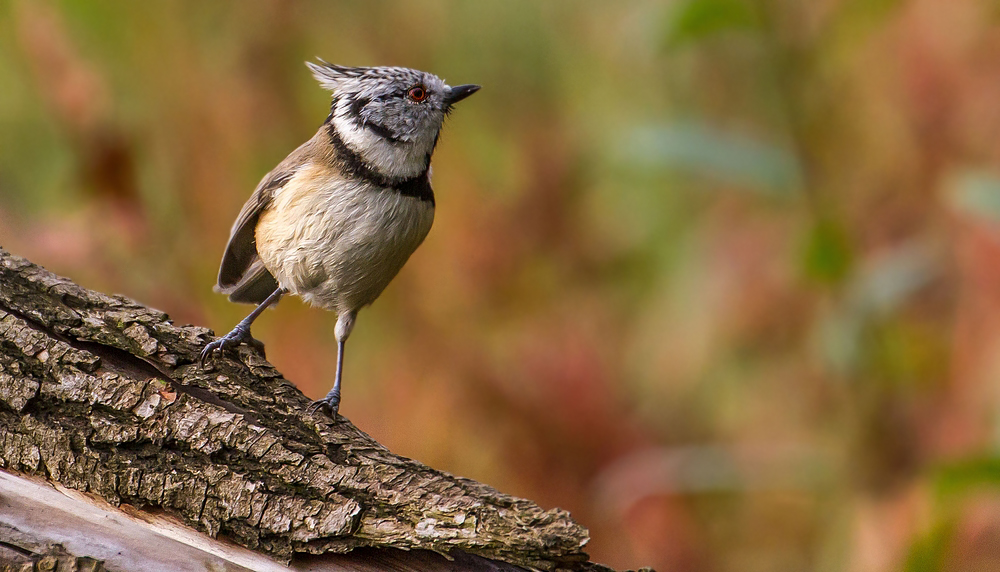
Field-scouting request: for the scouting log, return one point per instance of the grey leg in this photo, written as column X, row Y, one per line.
column 241, row 333
column 331, row 403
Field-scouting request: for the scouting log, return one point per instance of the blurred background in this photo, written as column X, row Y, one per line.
column 721, row 277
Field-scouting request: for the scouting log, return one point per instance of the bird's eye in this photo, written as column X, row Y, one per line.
column 417, row 93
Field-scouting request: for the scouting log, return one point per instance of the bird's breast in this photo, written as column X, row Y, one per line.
column 338, row 243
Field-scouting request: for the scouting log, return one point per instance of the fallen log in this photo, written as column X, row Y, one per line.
column 104, row 411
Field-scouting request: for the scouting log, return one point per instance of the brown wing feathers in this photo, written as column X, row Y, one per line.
column 241, row 275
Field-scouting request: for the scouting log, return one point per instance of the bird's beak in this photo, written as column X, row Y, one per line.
column 458, row 93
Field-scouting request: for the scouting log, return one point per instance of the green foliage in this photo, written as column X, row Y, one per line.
column 696, row 20
column 827, row 254
column 960, row 479
column 929, row 553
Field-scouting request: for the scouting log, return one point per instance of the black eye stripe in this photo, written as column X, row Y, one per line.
column 358, row 105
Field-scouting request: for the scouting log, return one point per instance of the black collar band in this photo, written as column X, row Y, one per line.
column 417, row 186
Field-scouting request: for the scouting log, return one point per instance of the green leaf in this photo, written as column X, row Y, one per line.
column 961, row 477
column 929, row 553
column 828, row 253
column 697, row 19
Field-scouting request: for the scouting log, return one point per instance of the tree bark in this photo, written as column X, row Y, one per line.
column 102, row 395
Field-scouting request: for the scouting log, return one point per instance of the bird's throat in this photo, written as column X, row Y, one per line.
column 357, row 166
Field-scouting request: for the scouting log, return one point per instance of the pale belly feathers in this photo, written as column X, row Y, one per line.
column 338, row 244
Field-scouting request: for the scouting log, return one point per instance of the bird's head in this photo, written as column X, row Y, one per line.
column 391, row 116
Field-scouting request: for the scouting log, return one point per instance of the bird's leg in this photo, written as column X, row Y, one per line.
column 241, row 333
column 331, row 403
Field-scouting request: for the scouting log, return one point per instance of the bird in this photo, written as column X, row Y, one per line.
column 338, row 218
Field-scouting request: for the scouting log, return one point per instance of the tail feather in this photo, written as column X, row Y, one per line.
column 254, row 286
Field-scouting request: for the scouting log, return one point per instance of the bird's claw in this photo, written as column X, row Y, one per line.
column 230, row 341
column 329, row 405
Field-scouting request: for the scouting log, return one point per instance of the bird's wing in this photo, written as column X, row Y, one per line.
column 241, row 275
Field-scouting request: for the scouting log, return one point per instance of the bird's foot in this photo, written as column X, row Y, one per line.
column 239, row 335
column 329, row 405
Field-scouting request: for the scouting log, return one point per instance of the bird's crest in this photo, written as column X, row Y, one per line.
column 331, row 76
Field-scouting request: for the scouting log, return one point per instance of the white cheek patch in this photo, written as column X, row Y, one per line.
column 401, row 160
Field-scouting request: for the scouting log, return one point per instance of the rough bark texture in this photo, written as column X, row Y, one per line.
column 101, row 394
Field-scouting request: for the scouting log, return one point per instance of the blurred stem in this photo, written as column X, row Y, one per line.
column 785, row 63
column 791, row 57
